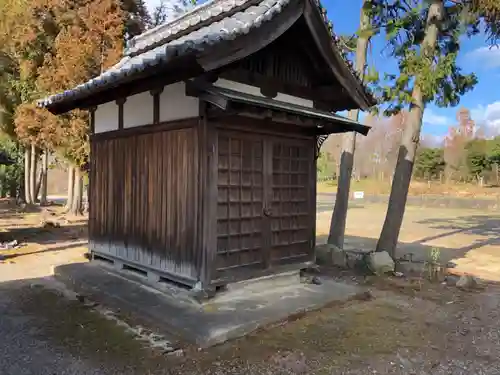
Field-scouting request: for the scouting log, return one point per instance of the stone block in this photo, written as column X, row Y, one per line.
column 153, row 277
column 467, row 282
column 380, row 262
column 331, row 255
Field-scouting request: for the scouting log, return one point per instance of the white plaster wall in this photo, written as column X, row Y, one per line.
column 175, row 105
column 106, row 117
column 252, row 90
column 138, row 110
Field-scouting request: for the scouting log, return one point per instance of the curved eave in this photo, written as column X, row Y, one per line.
column 200, row 42
column 217, row 44
column 341, row 67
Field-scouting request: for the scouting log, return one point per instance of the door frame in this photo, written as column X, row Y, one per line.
column 266, row 135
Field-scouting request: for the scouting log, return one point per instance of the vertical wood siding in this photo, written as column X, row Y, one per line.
column 144, row 197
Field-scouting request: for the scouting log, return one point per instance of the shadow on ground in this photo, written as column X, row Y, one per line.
column 45, row 236
column 476, row 235
column 52, row 334
column 49, row 250
column 10, row 210
column 52, row 331
column 475, row 225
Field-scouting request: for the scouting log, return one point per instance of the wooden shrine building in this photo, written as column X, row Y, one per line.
column 205, row 139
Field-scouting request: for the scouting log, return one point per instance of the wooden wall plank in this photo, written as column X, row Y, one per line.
column 144, row 200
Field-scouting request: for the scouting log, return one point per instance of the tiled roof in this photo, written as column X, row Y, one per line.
column 204, row 26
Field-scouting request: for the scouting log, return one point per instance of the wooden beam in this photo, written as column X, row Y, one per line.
column 120, row 102
column 147, row 129
column 309, row 53
column 156, row 104
column 260, row 80
column 329, row 91
column 92, row 119
column 269, row 91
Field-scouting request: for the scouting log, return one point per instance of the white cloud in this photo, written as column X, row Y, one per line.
column 433, row 119
column 488, row 117
column 488, row 57
column 431, row 140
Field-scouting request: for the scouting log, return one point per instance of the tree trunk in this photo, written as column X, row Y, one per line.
column 3, row 183
column 38, row 183
column 71, row 188
column 43, row 180
column 32, row 176
column 87, row 196
column 27, row 173
column 13, row 189
column 77, row 203
column 409, row 143
column 339, row 216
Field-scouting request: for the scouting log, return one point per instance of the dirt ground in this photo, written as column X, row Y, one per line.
column 468, row 238
column 407, row 326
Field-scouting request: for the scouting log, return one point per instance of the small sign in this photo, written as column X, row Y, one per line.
column 359, row 194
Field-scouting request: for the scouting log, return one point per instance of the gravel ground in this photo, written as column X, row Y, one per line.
column 407, row 328
column 23, row 351
column 402, row 330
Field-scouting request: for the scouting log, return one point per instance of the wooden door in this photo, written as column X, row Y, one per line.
column 240, row 182
column 292, row 213
column 264, row 217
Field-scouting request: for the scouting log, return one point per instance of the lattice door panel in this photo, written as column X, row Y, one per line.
column 291, row 225
column 240, row 202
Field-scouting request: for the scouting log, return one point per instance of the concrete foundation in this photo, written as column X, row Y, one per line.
column 241, row 309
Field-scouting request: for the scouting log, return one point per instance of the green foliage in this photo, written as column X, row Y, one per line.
column 494, row 150
column 432, row 267
column 11, row 176
column 489, row 11
column 477, row 157
column 325, row 166
column 429, row 163
column 434, row 70
column 137, row 18
column 435, row 255
column 348, row 44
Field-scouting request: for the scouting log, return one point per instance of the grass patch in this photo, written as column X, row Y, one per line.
column 328, row 340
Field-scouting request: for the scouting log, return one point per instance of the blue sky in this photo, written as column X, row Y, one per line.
column 475, row 56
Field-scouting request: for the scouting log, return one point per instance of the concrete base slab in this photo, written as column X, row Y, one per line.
column 234, row 315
